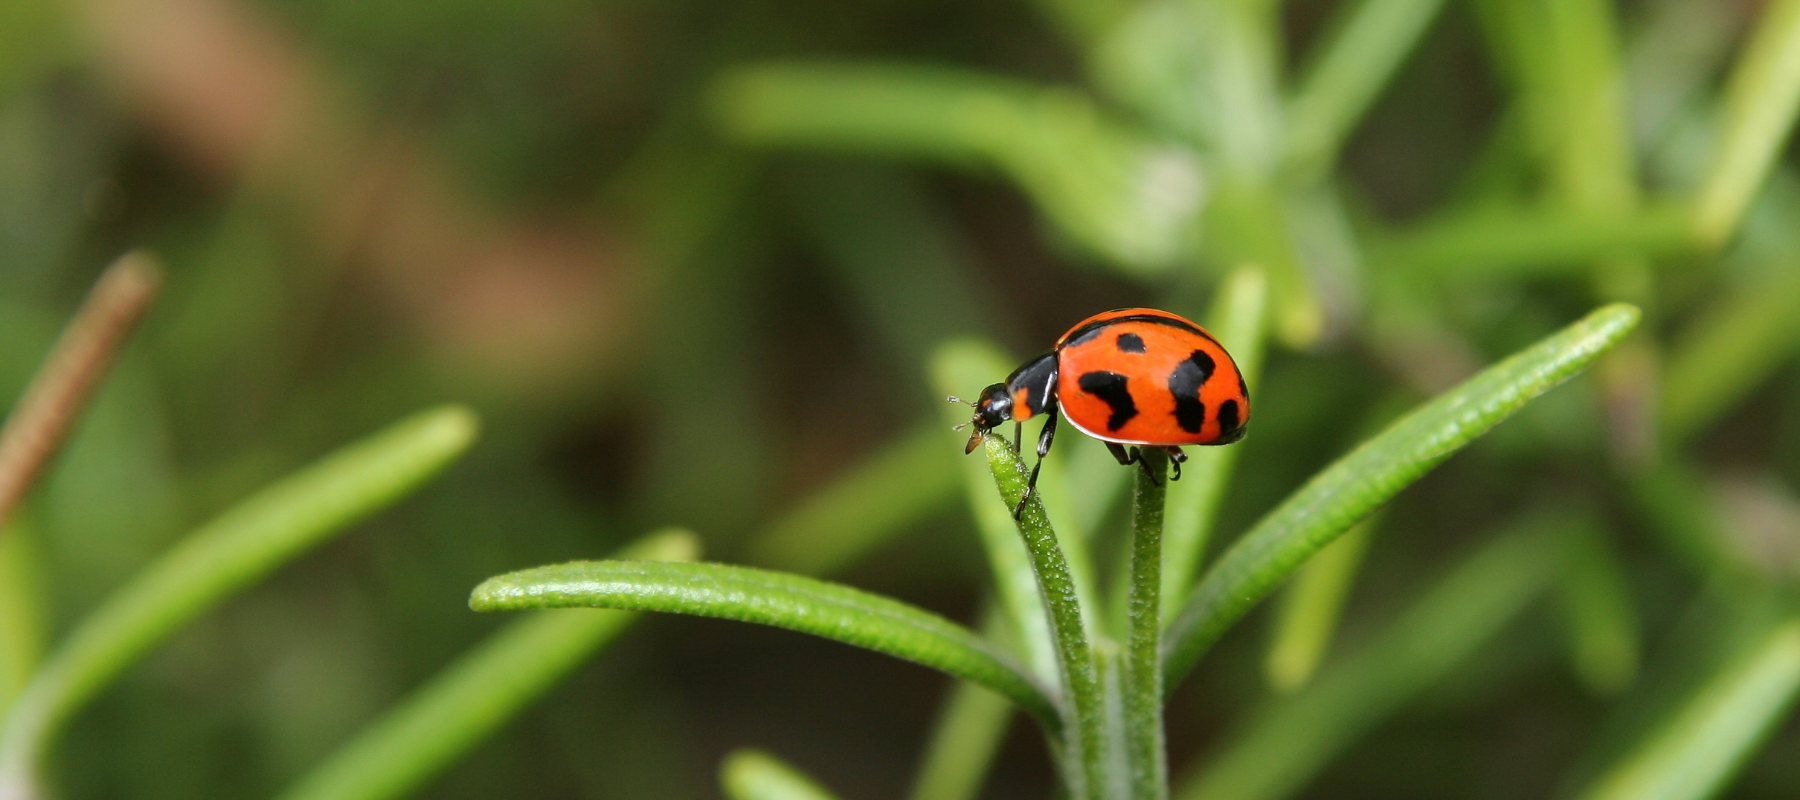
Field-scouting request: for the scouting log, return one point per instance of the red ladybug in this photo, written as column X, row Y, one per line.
column 1132, row 376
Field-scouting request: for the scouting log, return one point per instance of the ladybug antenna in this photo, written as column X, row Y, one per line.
column 955, row 399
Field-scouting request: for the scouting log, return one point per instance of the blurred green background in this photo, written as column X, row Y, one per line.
column 690, row 262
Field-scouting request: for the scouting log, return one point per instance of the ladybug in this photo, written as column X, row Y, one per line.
column 1131, row 376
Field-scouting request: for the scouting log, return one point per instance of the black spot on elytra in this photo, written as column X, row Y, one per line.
column 1129, row 343
column 1185, row 383
column 1228, row 419
column 1110, row 387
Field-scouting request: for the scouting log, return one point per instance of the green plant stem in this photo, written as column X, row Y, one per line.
column 779, row 599
column 1086, row 741
column 1370, row 475
column 755, row 775
column 1145, row 753
column 474, row 696
column 231, row 552
column 1237, row 320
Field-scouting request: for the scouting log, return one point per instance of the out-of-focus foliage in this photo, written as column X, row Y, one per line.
column 690, row 263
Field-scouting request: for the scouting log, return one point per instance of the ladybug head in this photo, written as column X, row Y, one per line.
column 993, row 408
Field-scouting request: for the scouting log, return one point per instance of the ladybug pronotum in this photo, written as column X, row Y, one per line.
column 1132, row 376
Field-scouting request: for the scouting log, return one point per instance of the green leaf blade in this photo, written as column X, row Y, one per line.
column 225, row 555
column 1370, row 475
column 781, row 600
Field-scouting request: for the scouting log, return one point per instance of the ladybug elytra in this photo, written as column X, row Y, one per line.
column 1132, row 376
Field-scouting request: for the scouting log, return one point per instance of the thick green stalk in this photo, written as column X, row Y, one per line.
column 1145, row 752
column 231, row 552
column 1085, row 746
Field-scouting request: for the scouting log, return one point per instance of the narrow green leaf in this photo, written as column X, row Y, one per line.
column 233, row 551
column 1368, row 43
column 1237, row 321
column 1089, row 766
column 1279, row 749
column 904, row 483
column 756, row 775
column 477, row 694
column 796, row 603
column 962, row 744
column 1762, row 97
column 1374, row 472
column 1694, row 752
column 1598, row 614
column 1310, row 606
column 1114, row 190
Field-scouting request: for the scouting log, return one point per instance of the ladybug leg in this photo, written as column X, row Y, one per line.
column 1018, row 436
column 1176, row 459
column 1132, row 456
column 1043, row 449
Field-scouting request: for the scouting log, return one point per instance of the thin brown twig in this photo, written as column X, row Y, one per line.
column 38, row 423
